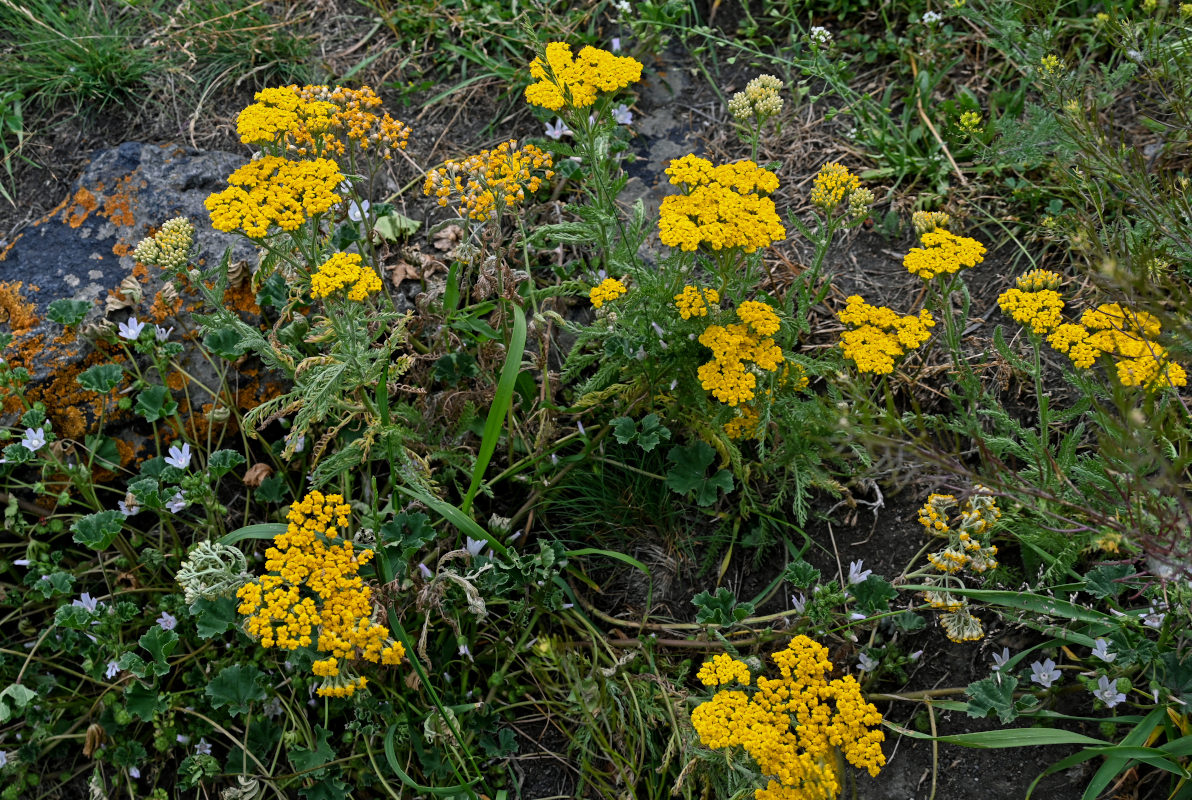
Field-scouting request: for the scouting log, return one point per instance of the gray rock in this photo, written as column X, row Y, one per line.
column 84, row 248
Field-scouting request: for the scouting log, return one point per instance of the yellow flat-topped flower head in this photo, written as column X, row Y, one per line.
column 491, row 180
column 275, row 192
column 943, row 253
column 575, row 81
column 344, row 271
column 722, row 207
column 606, row 291
column 879, row 335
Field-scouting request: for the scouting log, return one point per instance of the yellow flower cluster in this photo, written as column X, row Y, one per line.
column 1040, row 309
column 319, row 120
column 943, row 253
column 493, row 179
column 723, row 669
column 721, row 206
column 967, row 548
column 733, row 346
column 312, row 589
column 879, row 335
column 1037, row 280
column 744, row 425
column 575, row 81
column 1127, row 335
column 273, row 191
column 606, row 291
column 832, row 186
column 693, row 302
column 792, row 725
column 344, row 271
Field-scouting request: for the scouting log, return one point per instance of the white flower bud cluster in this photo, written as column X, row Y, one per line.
column 759, row 99
column 170, row 248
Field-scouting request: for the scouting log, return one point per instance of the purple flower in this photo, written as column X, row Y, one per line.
column 622, row 115
column 1101, row 651
column 856, row 574
column 1000, row 659
column 133, row 772
column 866, row 663
column 129, row 507
column 1044, row 673
column 558, row 130
column 87, row 603
column 162, row 334
column 799, row 603
column 176, row 503
column 131, row 329
column 112, row 671
column 356, row 211
column 616, row 44
column 426, row 573
column 167, row 621
column 203, row 748
column 34, row 439
column 1107, row 692
column 179, row 456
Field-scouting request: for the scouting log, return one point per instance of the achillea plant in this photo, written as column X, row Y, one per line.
column 879, row 335
column 943, row 253
column 575, row 81
column 967, row 549
column 313, row 596
column 275, row 192
column 606, row 291
column 722, row 207
column 734, row 347
column 491, row 181
column 344, row 271
column 1034, row 301
column 694, row 302
column 791, row 726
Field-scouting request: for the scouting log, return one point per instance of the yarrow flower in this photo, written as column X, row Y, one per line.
column 879, row 335
column 344, row 271
column 832, row 186
column 721, row 206
column 606, row 291
column 694, row 302
column 313, row 596
column 759, row 101
column 567, row 81
column 275, row 192
column 927, row 221
column 791, row 726
column 169, row 248
column 727, row 376
column 1040, row 309
column 967, row 548
column 312, row 121
column 943, row 253
column 491, row 180
column 724, row 669
column 1129, row 336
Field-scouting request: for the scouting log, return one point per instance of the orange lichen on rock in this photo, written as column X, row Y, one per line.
column 20, row 314
column 123, row 249
column 117, row 206
column 242, row 298
column 163, row 308
column 82, row 204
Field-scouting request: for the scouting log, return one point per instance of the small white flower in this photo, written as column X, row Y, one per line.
column 819, row 36
column 658, row 329
column 34, row 439
column 182, row 739
column 580, row 427
column 87, row 603
column 273, row 707
column 203, row 748
column 1153, row 618
column 167, row 621
column 133, row 772
column 622, row 115
column 856, row 574
column 21, row 562
column 623, row 6
column 426, row 573
column 1107, row 692
column 1044, row 673
column 464, row 651
column 129, row 506
column 112, row 671
column 131, row 329
column 931, row 18
column 474, row 546
column 176, row 503
column 356, row 211
column 3, row 758
column 856, row 616
column 1101, row 651
column 558, row 130
column 1000, row 659
column 616, row 44
column 162, row 334
column 866, row 663
column 179, row 456
column 915, row 655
